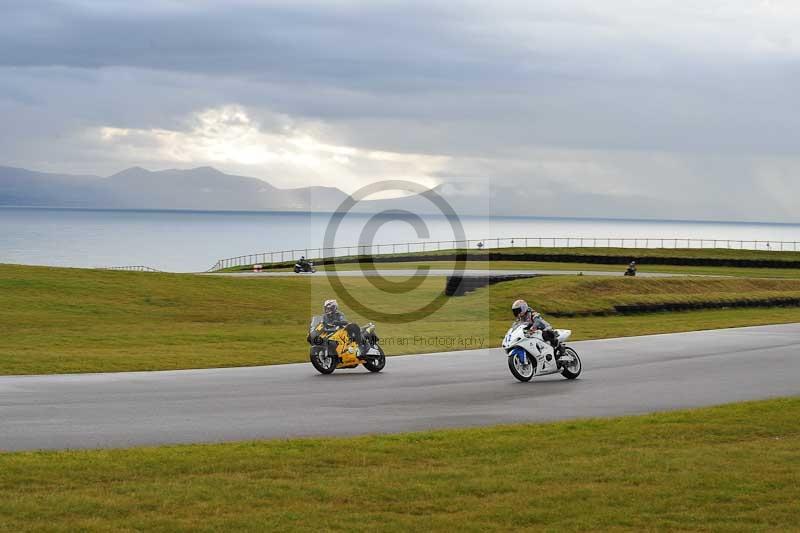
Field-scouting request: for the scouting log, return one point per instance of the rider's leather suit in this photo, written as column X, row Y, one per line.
column 535, row 321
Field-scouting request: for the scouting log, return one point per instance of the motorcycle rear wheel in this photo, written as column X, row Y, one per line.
column 325, row 364
column 574, row 370
column 376, row 364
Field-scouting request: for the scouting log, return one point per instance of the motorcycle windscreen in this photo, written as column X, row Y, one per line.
column 315, row 321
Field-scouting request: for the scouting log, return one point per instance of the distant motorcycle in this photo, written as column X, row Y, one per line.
column 344, row 347
column 304, row 266
column 530, row 355
column 631, row 270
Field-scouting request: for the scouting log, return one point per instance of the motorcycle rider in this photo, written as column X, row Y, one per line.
column 523, row 313
column 334, row 319
column 331, row 314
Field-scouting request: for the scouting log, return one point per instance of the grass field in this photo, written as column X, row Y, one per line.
column 730, row 468
column 72, row 320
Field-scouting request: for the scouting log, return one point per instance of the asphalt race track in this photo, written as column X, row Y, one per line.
column 455, row 389
column 410, row 272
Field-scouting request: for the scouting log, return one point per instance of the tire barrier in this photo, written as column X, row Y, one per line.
column 460, row 285
column 645, row 260
column 719, row 304
column 642, row 308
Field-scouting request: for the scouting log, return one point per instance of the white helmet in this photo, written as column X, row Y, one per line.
column 520, row 307
column 330, row 306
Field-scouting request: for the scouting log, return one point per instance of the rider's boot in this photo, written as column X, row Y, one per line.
column 558, row 352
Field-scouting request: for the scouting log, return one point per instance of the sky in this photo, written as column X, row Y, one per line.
column 688, row 108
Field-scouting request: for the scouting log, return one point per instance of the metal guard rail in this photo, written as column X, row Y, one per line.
column 316, row 253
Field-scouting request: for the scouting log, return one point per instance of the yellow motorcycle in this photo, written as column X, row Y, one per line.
column 344, row 347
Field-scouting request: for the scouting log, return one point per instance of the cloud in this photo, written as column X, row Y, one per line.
column 289, row 154
column 622, row 98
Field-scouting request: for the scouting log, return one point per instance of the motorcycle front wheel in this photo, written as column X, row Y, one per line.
column 324, row 363
column 573, row 369
column 523, row 372
column 376, row 364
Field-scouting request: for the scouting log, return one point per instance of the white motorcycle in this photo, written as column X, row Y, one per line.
column 530, row 355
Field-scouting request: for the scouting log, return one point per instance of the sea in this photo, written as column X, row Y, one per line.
column 193, row 241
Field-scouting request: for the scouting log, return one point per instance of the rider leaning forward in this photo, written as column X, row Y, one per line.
column 334, row 319
column 523, row 313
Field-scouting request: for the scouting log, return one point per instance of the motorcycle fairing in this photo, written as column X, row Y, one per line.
column 534, row 345
column 346, row 347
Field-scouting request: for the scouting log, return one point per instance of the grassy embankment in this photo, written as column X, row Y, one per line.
column 729, row 468
column 71, row 320
column 590, row 259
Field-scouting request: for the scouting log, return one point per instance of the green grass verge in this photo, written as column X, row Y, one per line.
column 730, row 468
column 70, row 320
column 598, row 295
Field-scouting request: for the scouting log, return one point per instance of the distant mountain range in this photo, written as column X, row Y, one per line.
column 208, row 189
column 202, row 188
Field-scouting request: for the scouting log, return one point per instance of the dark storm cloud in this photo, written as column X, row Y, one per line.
column 642, row 93
column 569, row 78
column 351, row 45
